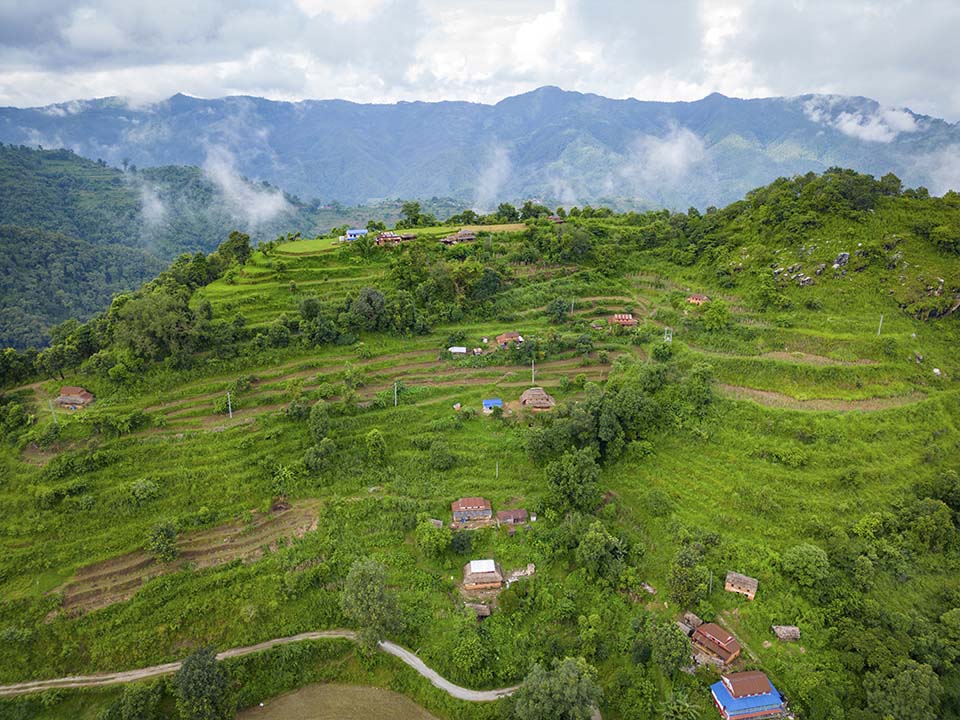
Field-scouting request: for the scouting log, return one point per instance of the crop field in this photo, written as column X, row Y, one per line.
column 816, row 425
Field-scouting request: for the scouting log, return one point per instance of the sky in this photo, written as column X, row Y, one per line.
column 899, row 52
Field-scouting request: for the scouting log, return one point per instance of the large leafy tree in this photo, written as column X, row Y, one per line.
column 908, row 691
column 202, row 688
column 367, row 602
column 573, row 480
column 566, row 691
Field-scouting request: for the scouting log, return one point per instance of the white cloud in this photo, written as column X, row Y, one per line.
column 942, row 169
column 152, row 209
column 654, row 163
column 492, row 177
column 242, row 199
column 881, row 125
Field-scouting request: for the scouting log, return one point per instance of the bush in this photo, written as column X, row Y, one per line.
column 160, row 542
column 663, row 351
column 806, row 564
column 440, row 456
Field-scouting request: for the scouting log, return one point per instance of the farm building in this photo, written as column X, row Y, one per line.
column 624, row 320
column 471, row 508
column 388, row 238
column 479, row 609
column 354, row 233
column 556, row 219
column 743, row 695
column 491, row 403
column 512, row 517
column 504, row 339
column 457, row 350
column 482, row 575
column 786, row 633
column 716, row 641
column 73, row 397
column 537, row 399
column 697, row 299
column 742, row 584
column 459, row 237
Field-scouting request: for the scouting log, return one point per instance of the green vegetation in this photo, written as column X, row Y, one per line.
column 649, row 475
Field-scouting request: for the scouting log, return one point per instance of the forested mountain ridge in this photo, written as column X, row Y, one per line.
column 76, row 231
column 562, row 147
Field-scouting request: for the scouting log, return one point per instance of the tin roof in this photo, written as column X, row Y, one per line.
column 483, row 566
column 743, row 684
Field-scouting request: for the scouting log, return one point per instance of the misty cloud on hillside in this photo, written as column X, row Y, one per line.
column 656, row 165
column 255, row 205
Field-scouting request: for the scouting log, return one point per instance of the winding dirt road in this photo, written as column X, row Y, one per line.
column 102, row 679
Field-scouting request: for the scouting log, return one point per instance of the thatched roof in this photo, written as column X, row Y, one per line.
column 537, row 397
column 787, row 633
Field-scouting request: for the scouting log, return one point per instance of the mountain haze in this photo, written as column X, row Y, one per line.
column 562, row 147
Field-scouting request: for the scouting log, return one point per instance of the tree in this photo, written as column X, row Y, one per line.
column 236, row 248
column 572, row 480
column 600, row 553
column 670, row 648
column 507, row 212
column 806, row 564
column 160, row 541
column 411, row 213
column 716, row 316
column 376, row 446
column 908, row 691
column 567, row 691
column 556, row 310
column 138, row 701
column 432, row 540
column 201, row 686
column 319, row 456
column 319, row 421
column 679, row 707
column 367, row 602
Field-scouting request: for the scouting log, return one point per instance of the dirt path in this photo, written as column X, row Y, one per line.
column 778, row 400
column 103, row 679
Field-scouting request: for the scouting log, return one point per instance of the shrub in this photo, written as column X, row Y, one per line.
column 160, row 542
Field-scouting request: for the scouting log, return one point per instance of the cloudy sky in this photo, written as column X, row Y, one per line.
column 900, row 52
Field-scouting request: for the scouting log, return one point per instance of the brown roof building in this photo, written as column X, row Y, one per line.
column 716, row 641
column 742, row 584
column 697, row 299
column 74, row 397
column 624, row 320
column 459, row 237
column 482, row 575
column 537, row 399
column 504, row 339
column 471, row 508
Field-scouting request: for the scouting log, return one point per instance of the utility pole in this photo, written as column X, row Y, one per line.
column 394, row 394
column 53, row 413
column 710, row 591
column 880, row 325
column 498, row 469
column 229, row 405
column 533, row 371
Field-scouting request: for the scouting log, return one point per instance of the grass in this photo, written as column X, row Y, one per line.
column 337, row 702
column 763, row 478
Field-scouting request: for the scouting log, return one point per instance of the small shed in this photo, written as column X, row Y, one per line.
column 512, row 517
column 624, row 320
column 482, row 575
column 479, row 609
column 437, row 523
column 537, row 398
column 786, row 633
column 491, row 403
column 692, row 620
column 715, row 641
column 556, row 219
column 471, row 508
column 457, row 350
column 742, row 584
column 74, row 397
column 697, row 299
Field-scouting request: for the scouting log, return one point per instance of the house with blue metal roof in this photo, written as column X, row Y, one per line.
column 747, row 695
column 489, row 405
column 354, row 233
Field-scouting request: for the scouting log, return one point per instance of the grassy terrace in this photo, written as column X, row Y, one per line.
column 760, row 475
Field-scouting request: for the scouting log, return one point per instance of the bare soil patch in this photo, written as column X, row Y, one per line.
column 778, row 400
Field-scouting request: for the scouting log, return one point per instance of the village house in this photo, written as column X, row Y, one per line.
column 742, row 584
column 459, row 237
column 697, row 299
column 482, row 575
column 471, row 508
column 512, row 517
column 457, row 350
column 556, row 219
column 624, row 320
column 743, row 695
column 537, row 398
column 355, row 233
column 786, row 633
column 491, row 403
column 717, row 642
column 388, row 238
column 73, row 397
column 504, row 339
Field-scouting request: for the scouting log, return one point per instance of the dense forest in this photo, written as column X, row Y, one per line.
column 798, row 425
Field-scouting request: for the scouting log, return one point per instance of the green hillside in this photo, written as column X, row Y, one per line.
column 783, row 433
column 77, row 231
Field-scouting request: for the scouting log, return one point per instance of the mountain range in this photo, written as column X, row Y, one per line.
column 558, row 146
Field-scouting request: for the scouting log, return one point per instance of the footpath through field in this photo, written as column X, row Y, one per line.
column 102, row 679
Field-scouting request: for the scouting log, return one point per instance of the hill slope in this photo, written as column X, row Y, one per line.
column 565, row 147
